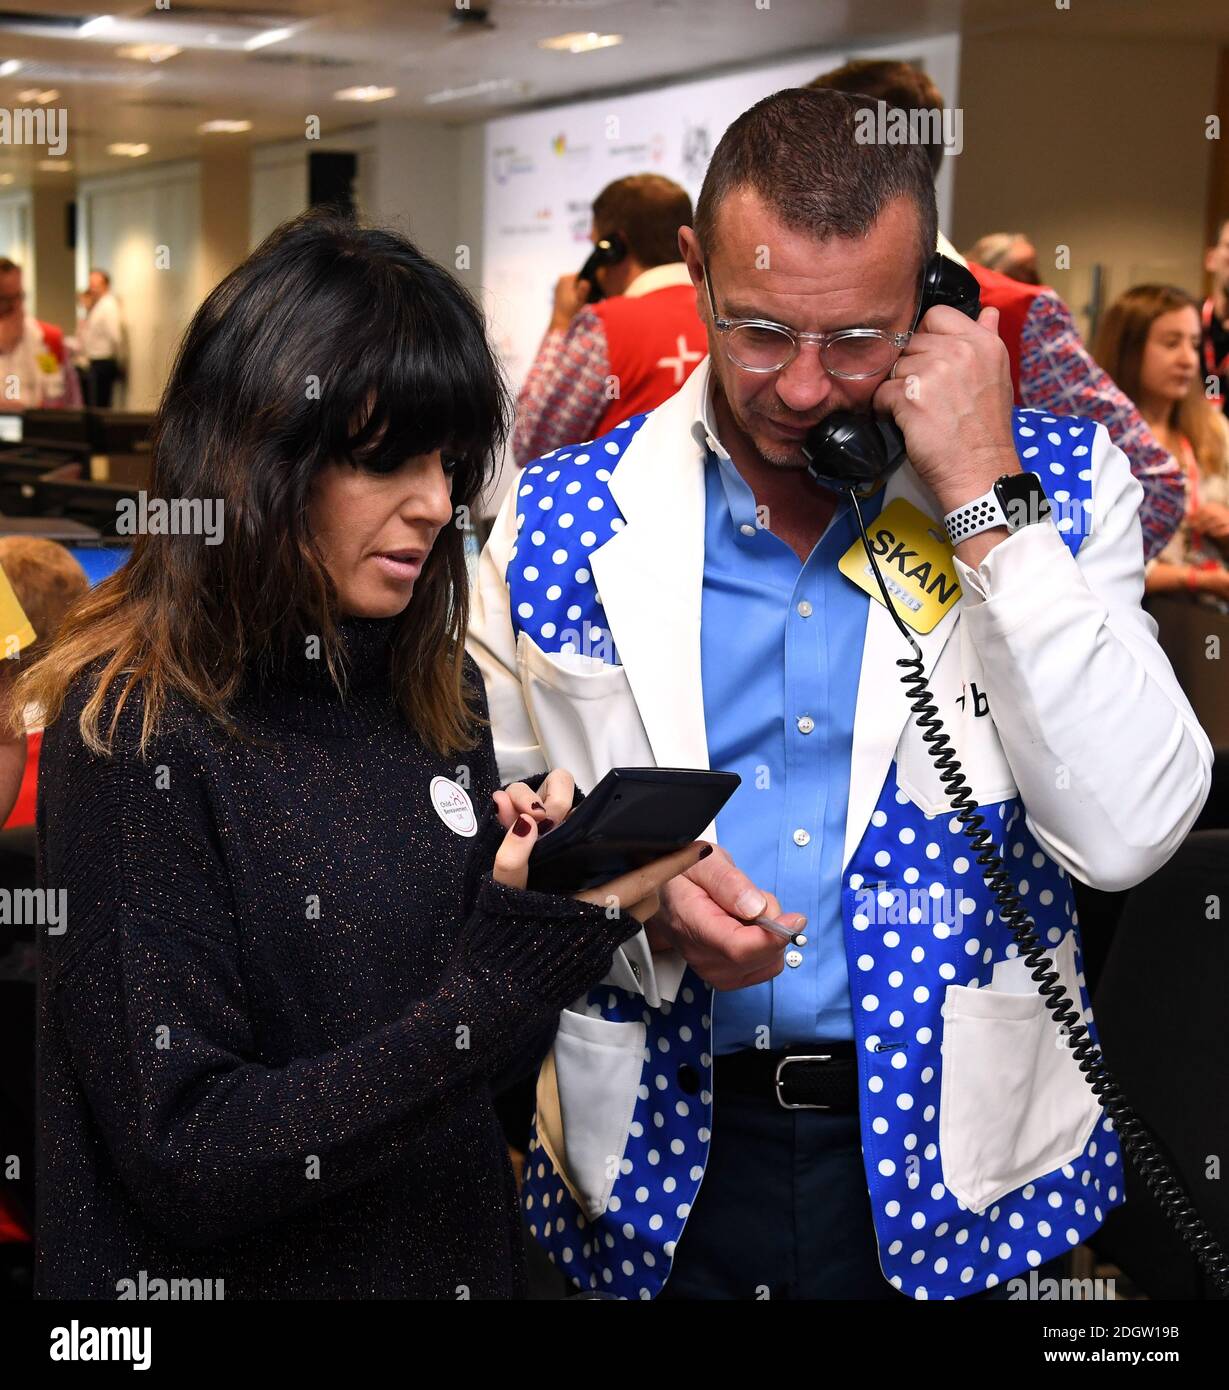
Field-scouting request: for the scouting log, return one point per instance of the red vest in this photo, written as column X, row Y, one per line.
column 653, row 341
column 1013, row 300
column 27, row 798
column 53, row 336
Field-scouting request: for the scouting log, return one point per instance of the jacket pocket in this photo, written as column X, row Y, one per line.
column 959, row 691
column 1013, row 1103
column 583, row 712
column 586, row 1098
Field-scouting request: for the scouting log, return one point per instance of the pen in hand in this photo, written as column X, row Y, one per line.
column 794, row 938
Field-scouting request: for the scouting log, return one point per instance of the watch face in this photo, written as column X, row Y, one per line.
column 1022, row 499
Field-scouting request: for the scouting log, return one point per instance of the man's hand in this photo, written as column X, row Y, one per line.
column 571, row 296
column 703, row 916
column 950, row 393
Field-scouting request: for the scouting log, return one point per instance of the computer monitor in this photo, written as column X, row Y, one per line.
column 55, row 425
column 22, row 467
column 122, row 431
column 95, row 503
column 100, row 561
column 23, row 459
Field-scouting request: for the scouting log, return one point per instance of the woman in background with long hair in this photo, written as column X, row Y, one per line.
column 1149, row 343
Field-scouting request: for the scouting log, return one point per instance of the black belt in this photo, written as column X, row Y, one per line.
column 822, row 1076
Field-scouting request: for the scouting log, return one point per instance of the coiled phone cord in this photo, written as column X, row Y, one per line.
column 1138, row 1142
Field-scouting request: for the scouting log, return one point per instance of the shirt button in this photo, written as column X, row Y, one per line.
column 747, row 530
column 801, row 837
column 804, row 609
column 806, row 724
column 793, row 958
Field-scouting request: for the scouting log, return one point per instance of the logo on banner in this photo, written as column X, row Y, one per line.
column 696, row 153
column 508, row 161
column 564, row 149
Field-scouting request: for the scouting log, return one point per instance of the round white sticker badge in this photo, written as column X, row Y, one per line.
column 453, row 806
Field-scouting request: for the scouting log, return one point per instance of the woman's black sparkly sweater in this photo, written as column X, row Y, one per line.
column 269, row 1032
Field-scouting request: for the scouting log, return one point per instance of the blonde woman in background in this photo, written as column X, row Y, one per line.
column 1149, row 343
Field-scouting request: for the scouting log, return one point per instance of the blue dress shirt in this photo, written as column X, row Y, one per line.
column 781, row 651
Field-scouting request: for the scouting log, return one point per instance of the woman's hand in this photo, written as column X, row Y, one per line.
column 526, row 815
column 635, row 892
column 548, row 807
column 1212, row 518
column 639, row 889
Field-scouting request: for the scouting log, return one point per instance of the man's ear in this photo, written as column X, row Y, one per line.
column 689, row 250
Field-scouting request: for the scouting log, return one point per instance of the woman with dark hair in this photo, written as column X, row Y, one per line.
column 298, row 952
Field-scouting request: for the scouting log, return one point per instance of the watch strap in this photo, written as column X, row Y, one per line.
column 978, row 515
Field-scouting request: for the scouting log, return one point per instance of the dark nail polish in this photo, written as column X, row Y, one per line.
column 523, row 826
column 536, row 806
column 706, row 851
column 545, row 825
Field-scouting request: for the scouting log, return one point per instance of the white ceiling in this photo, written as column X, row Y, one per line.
column 424, row 47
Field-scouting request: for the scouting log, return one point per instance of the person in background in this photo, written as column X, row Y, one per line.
column 1010, row 253
column 599, row 364
column 1051, row 369
column 17, row 635
column 31, row 377
column 67, row 391
column 47, row 581
column 1150, row 343
column 101, row 339
column 1215, row 318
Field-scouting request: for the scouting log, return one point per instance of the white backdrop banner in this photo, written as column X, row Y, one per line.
column 544, row 169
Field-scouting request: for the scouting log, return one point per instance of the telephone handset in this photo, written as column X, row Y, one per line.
column 609, row 250
column 853, row 454
column 860, row 450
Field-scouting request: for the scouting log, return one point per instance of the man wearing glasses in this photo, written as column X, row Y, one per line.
column 881, row 1108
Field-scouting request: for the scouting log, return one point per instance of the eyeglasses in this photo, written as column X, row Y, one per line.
column 758, row 345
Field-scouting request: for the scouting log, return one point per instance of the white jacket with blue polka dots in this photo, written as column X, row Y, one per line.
column 985, row 1151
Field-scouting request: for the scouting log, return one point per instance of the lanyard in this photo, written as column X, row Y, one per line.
column 1190, row 466
column 1216, row 369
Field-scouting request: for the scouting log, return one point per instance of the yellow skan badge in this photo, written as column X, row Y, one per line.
column 915, row 560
